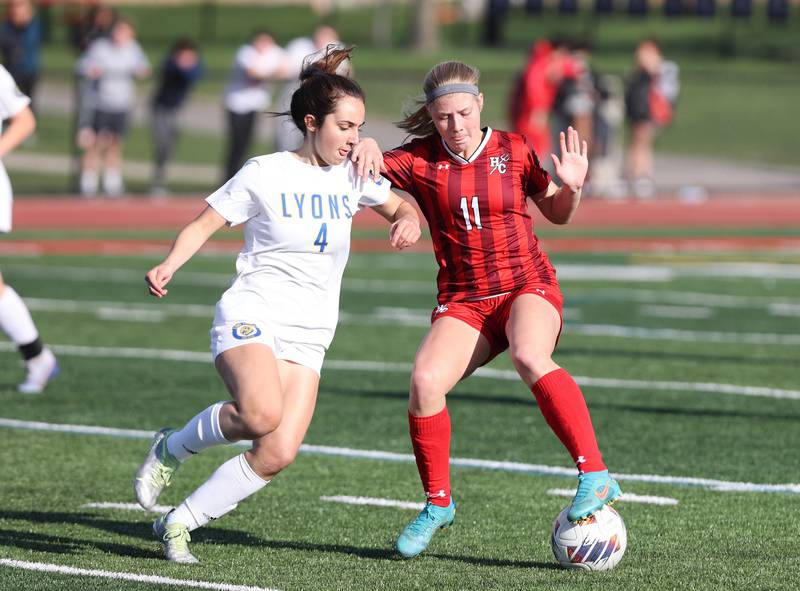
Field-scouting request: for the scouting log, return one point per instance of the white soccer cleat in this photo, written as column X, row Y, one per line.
column 41, row 369
column 175, row 539
column 155, row 473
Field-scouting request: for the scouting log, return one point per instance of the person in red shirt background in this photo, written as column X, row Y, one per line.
column 532, row 100
column 497, row 288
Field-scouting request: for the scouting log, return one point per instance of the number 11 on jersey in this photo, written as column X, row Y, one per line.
column 322, row 237
column 476, row 211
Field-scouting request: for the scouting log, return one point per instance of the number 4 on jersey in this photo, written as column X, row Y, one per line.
column 476, row 211
column 322, row 237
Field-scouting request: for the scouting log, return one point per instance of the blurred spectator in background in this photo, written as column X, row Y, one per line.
column 20, row 41
column 576, row 97
column 494, row 22
column 113, row 64
column 179, row 72
column 248, row 93
column 651, row 92
column 86, row 27
column 533, row 97
column 298, row 52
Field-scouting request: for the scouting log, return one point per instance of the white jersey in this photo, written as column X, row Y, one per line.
column 296, row 242
column 12, row 101
column 244, row 94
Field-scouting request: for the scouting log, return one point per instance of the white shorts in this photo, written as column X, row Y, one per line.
column 234, row 334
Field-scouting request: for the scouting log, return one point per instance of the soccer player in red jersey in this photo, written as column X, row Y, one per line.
column 497, row 288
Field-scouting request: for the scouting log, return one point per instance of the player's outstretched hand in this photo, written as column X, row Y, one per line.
column 157, row 278
column 368, row 158
column 404, row 232
column 574, row 163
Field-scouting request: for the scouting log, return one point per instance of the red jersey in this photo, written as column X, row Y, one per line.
column 477, row 212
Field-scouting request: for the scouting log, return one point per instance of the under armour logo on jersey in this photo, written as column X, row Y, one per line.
column 498, row 163
column 445, row 166
column 441, row 309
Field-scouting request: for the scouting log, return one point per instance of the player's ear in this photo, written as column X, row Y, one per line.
column 311, row 122
column 479, row 98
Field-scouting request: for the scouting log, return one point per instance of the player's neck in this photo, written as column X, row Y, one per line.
column 307, row 154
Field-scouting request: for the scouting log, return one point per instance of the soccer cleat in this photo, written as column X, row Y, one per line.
column 155, row 473
column 41, row 369
column 595, row 489
column 417, row 535
column 175, row 538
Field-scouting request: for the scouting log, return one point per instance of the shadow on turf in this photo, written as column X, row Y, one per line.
column 529, row 401
column 39, row 542
column 229, row 537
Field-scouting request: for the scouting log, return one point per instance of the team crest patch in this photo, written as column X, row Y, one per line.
column 245, row 330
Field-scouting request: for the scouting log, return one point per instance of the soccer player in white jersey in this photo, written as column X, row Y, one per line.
column 15, row 319
column 273, row 325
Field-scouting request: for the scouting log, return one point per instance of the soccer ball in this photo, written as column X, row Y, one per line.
column 597, row 544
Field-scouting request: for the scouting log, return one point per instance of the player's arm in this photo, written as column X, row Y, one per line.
column 22, row 125
column 558, row 205
column 405, row 229
column 367, row 157
column 189, row 240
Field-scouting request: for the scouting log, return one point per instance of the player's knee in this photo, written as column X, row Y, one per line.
column 426, row 385
column 531, row 363
column 282, row 458
column 260, row 421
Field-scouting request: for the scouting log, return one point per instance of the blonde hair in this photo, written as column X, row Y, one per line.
column 419, row 122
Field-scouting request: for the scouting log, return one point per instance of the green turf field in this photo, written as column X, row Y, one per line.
column 684, row 337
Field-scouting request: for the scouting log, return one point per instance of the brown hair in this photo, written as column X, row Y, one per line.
column 321, row 87
column 419, row 122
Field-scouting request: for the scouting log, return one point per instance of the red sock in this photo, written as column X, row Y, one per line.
column 562, row 404
column 430, row 437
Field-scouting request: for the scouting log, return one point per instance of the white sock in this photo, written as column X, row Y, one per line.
column 15, row 320
column 201, row 432
column 89, row 182
column 231, row 483
column 112, row 181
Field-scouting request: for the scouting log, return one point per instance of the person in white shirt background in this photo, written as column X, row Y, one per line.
column 274, row 324
column 301, row 52
column 248, row 92
column 15, row 319
column 114, row 64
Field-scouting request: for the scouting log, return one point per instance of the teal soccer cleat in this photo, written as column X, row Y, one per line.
column 417, row 535
column 595, row 489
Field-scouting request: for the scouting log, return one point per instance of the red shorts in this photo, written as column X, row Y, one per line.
column 489, row 316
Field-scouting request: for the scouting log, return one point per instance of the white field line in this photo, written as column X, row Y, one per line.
column 684, row 298
column 626, row 497
column 604, row 273
column 418, row 317
column 121, row 576
column 405, row 368
column 681, row 312
column 126, row 507
column 378, row 455
column 682, row 336
column 784, row 309
column 373, row 502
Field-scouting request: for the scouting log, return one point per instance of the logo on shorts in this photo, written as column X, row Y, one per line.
column 541, row 292
column 244, row 330
column 441, row 309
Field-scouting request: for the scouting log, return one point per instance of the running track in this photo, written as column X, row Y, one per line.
column 781, row 214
